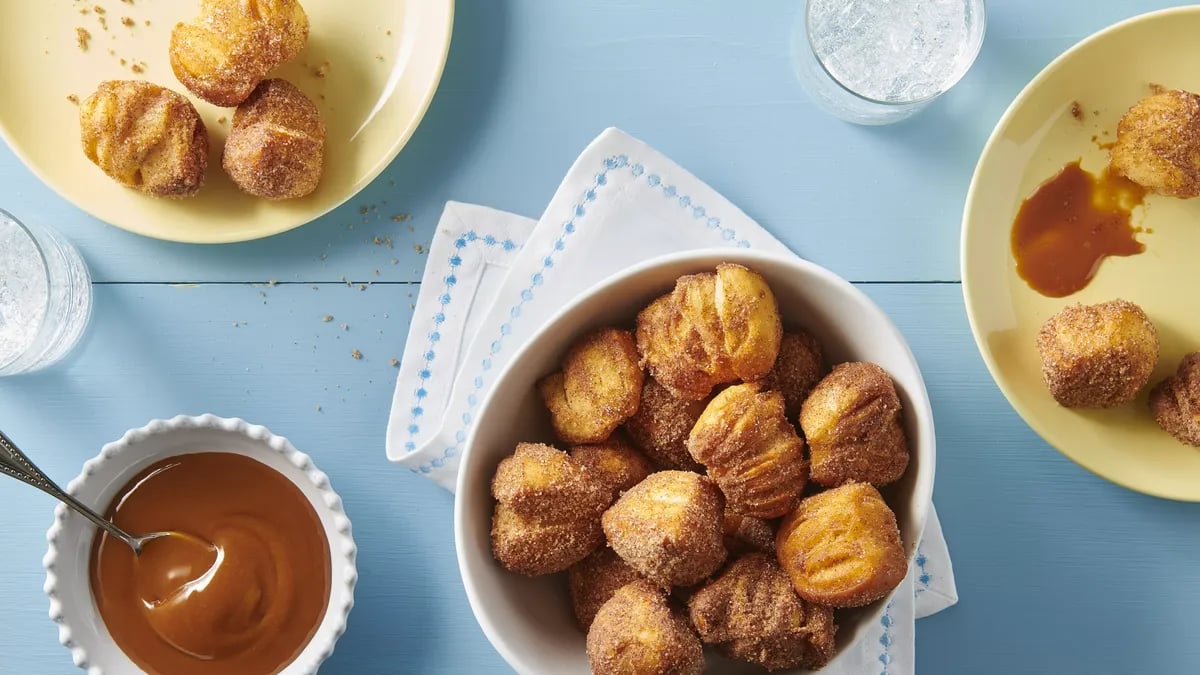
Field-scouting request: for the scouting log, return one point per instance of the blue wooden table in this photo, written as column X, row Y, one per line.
column 1059, row 572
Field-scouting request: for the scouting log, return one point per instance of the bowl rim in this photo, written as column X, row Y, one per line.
column 923, row 487
column 342, row 549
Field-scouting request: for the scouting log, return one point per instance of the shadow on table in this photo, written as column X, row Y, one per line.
column 952, row 131
column 401, row 608
column 444, row 139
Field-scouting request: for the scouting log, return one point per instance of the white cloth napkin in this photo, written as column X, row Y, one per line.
column 493, row 278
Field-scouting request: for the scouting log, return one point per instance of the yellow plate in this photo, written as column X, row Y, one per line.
column 1106, row 73
column 384, row 57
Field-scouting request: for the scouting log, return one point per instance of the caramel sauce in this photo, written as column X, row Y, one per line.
column 240, row 591
column 1070, row 225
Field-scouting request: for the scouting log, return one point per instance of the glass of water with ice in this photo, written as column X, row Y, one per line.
column 45, row 296
column 881, row 61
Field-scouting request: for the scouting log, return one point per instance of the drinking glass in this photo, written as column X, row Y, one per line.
column 45, row 296
column 881, row 61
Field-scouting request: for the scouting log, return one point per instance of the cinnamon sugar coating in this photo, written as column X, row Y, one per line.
column 548, row 510
column 842, row 547
column 1175, row 402
column 752, row 613
column 637, row 632
column 669, row 527
column 853, row 425
column 276, row 144
column 1097, row 356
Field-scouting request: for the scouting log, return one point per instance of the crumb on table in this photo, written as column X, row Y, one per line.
column 327, row 318
column 147, row 22
column 81, row 38
column 1076, row 110
column 321, row 70
column 418, row 248
column 73, row 98
column 221, row 119
column 139, row 67
column 98, row 9
column 123, row 62
column 394, row 362
column 1156, row 88
column 103, row 21
column 356, row 354
column 126, row 21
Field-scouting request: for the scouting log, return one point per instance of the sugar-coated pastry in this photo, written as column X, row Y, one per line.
column 548, row 510
column 669, row 527
column 1175, row 402
column 662, row 424
column 711, row 329
column 1097, row 356
column 1158, row 144
column 638, row 633
column 746, row 534
column 276, row 144
column 750, row 320
column 752, row 613
column 799, row 367
column 853, row 426
column 599, row 387
column 593, row 580
column 145, row 137
column 616, row 463
column 751, row 450
column 842, row 547
column 224, row 53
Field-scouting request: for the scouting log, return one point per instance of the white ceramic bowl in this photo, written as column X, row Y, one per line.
column 72, row 607
column 529, row 621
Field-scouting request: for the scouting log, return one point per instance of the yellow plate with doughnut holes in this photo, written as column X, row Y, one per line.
column 384, row 60
column 1106, row 73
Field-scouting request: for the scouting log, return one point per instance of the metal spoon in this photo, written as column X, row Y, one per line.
column 14, row 463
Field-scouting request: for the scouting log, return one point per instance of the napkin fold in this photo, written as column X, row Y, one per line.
column 494, row 278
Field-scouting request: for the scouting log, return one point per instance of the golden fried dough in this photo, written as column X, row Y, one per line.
column 548, row 510
column 799, row 367
column 1097, row 356
column 752, row 613
column 842, row 547
column 749, row 319
column 1158, row 144
column 746, row 534
column 223, row 54
column 593, row 581
column 669, row 527
column 276, row 144
column 711, row 329
column 662, row 424
column 616, row 463
column 145, row 137
column 852, row 423
column 600, row 387
column 637, row 633
column 751, row 451
column 1176, row 401
column 680, row 342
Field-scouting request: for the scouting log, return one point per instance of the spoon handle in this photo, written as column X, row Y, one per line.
column 14, row 463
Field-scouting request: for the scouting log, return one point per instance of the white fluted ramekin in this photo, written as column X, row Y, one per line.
column 72, row 607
